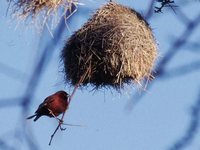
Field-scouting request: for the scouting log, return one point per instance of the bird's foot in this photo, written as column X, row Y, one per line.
column 61, row 123
column 62, row 129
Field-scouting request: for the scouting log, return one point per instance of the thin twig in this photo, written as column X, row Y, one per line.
column 192, row 130
column 149, row 10
column 165, row 3
column 61, row 121
column 70, row 98
column 7, row 10
column 72, row 125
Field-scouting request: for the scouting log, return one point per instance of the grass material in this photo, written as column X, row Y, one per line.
column 114, row 47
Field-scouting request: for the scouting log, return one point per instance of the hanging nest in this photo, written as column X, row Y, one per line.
column 25, row 9
column 114, row 47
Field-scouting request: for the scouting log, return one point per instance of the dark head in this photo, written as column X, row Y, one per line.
column 63, row 94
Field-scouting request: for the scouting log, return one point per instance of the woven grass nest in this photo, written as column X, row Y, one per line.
column 31, row 8
column 116, row 46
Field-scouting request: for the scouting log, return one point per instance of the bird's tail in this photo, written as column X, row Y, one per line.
column 31, row 116
column 36, row 117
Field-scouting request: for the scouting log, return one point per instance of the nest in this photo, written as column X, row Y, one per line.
column 114, row 47
column 25, row 9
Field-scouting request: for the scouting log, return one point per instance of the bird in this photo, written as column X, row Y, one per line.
column 52, row 106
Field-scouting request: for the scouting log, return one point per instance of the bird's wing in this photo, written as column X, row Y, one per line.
column 44, row 103
column 48, row 100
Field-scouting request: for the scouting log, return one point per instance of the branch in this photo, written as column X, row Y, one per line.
column 12, row 72
column 10, row 102
column 39, row 69
column 181, row 71
column 70, row 98
column 182, row 17
column 165, row 3
column 193, row 46
column 192, row 130
column 61, row 121
column 178, row 44
column 5, row 146
column 150, row 10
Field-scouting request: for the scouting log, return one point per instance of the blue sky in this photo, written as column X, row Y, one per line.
column 155, row 123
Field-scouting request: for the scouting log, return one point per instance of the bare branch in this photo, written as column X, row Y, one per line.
column 181, row 71
column 10, row 102
column 192, row 130
column 178, row 44
column 150, row 10
column 5, row 146
column 39, row 69
column 12, row 72
column 70, row 98
column 165, row 3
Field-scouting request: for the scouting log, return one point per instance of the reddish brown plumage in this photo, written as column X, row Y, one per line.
column 53, row 105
